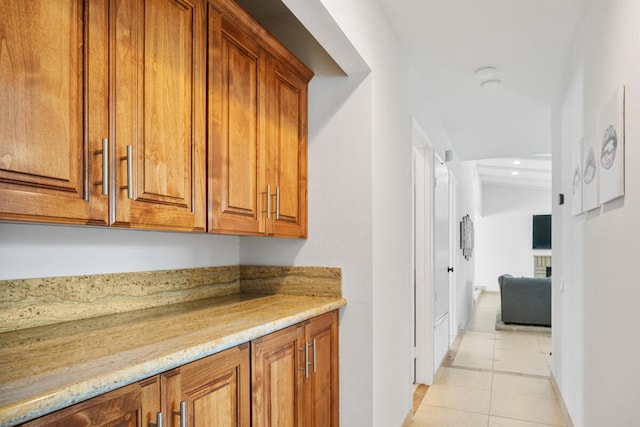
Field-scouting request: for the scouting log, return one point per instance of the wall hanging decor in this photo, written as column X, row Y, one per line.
column 589, row 175
column 466, row 237
column 576, row 180
column 610, row 138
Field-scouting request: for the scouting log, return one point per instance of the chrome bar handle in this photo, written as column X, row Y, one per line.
column 158, row 422
column 306, row 360
column 105, row 166
column 129, row 185
column 183, row 413
column 268, row 200
column 314, row 356
column 278, row 202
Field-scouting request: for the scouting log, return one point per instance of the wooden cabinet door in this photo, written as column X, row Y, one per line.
column 53, row 113
column 277, row 378
column 236, row 160
column 285, row 124
column 157, row 72
column 135, row 405
column 323, row 387
column 214, row 391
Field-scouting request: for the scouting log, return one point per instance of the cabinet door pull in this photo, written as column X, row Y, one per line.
column 129, row 185
column 182, row 413
column 105, row 166
column 278, row 202
column 306, row 360
column 268, row 200
column 314, row 356
column 158, row 422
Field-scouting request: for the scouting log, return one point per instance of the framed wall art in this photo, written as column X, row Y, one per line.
column 466, row 237
column 610, row 138
column 589, row 175
column 576, row 179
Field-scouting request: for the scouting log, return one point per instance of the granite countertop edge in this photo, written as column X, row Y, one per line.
column 23, row 410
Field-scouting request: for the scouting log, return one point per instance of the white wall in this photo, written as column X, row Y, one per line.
column 504, row 232
column 29, row 250
column 595, row 350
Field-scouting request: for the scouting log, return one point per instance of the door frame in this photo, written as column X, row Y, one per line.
column 422, row 255
column 454, row 236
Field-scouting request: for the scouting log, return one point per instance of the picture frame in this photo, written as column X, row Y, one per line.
column 610, row 138
column 576, row 179
column 466, row 237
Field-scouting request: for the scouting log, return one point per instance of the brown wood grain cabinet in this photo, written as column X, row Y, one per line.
column 258, row 129
column 103, row 114
column 213, row 391
column 183, row 115
column 295, row 375
column 132, row 406
column 52, row 73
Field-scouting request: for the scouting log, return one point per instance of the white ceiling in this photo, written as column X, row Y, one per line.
column 529, row 171
column 526, row 40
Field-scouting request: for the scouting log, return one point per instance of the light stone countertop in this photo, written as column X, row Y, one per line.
column 46, row 368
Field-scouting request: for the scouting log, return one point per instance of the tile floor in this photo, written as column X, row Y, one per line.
column 492, row 378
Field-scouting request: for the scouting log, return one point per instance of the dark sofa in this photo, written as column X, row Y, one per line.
column 525, row 300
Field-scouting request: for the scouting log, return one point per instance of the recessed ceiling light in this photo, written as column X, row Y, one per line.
column 516, row 162
column 485, row 73
column 490, row 84
column 515, row 173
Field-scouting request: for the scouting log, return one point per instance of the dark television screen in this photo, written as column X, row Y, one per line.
column 542, row 232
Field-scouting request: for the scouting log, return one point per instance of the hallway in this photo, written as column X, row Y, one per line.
column 493, row 378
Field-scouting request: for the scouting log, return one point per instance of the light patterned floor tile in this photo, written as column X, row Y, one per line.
column 526, row 386
column 524, row 408
column 464, row 378
column 507, row 422
column 471, row 360
column 455, row 397
column 431, row 416
column 520, row 362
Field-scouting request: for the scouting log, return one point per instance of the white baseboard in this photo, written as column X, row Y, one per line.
column 563, row 407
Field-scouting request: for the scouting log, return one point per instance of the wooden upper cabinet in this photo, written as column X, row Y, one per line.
column 76, row 73
column 158, row 94
column 52, row 61
column 285, row 127
column 234, row 147
column 257, row 98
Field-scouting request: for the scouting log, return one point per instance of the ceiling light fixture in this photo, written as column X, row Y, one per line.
column 515, row 173
column 516, row 162
column 490, row 84
column 486, row 73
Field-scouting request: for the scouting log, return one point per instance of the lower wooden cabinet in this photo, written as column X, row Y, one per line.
column 213, row 391
column 290, row 378
column 132, row 406
column 295, row 375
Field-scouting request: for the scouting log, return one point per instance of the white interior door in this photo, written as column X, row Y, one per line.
column 442, row 265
